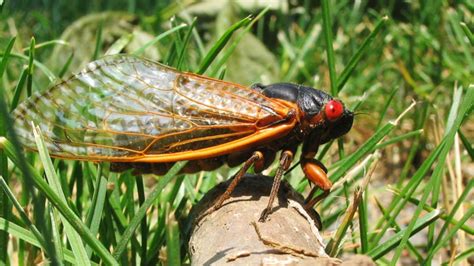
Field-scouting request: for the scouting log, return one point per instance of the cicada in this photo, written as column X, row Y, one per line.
column 140, row 114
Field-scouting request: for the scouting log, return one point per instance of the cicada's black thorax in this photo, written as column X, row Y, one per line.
column 309, row 100
column 311, row 103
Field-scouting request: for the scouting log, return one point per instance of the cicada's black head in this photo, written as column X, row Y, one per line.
column 338, row 126
column 325, row 116
column 322, row 116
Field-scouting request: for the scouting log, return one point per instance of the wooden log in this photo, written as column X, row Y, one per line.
column 232, row 235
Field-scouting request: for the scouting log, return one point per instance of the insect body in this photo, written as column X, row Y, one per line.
column 140, row 114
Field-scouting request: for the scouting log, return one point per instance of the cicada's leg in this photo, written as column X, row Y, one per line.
column 316, row 172
column 256, row 158
column 310, row 201
column 285, row 162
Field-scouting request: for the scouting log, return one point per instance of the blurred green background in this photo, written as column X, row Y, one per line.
column 421, row 51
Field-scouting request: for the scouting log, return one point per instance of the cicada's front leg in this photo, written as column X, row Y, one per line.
column 316, row 172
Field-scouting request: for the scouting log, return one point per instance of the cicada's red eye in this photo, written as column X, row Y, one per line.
column 333, row 110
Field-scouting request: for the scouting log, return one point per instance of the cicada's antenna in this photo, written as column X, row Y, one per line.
column 360, row 113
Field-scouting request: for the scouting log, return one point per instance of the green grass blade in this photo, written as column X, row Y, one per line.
column 172, row 241
column 171, row 196
column 6, row 55
column 457, row 97
column 98, row 41
column 19, row 88
column 144, row 225
column 327, row 26
column 219, row 45
column 74, row 238
column 114, row 202
column 31, row 58
column 142, row 49
column 66, row 66
column 46, row 44
column 346, row 73
column 128, row 202
column 187, row 38
column 363, row 224
column 222, row 74
column 190, row 190
column 467, row 144
column 140, row 214
column 393, row 241
column 199, row 43
column 468, row 32
column 172, row 53
column 399, row 138
column 176, row 47
column 119, row 45
column 97, row 207
column 385, row 108
column 58, row 256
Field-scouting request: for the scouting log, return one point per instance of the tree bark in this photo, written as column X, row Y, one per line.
column 232, row 234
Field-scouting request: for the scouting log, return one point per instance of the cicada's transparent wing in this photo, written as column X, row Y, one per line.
column 124, row 107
